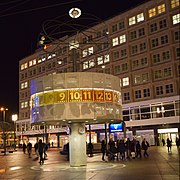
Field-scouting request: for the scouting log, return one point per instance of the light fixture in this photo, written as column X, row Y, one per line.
column 74, row 12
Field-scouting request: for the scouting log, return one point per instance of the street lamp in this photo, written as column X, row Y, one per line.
column 3, row 110
column 14, row 118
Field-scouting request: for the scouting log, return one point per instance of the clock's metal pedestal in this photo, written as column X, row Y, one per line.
column 77, row 145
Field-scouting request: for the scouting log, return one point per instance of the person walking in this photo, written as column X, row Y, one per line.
column 36, row 150
column 163, row 142
column 169, row 144
column 138, row 149
column 145, row 146
column 24, row 147
column 121, row 149
column 29, row 149
column 90, row 149
column 128, row 148
column 103, row 148
column 41, row 151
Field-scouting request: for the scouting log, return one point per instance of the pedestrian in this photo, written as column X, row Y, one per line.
column 177, row 142
column 163, row 142
column 132, row 148
column 103, row 148
column 138, row 149
column 45, row 150
column 90, row 149
column 41, row 151
column 128, row 148
column 36, row 149
column 29, row 149
column 24, row 147
column 121, row 149
column 145, row 146
column 169, row 144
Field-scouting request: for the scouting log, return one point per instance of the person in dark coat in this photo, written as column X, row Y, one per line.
column 128, row 147
column 36, row 149
column 145, row 146
column 29, row 149
column 163, row 142
column 103, row 148
column 90, row 149
column 41, row 151
column 169, row 144
column 24, row 147
column 138, row 149
column 122, row 149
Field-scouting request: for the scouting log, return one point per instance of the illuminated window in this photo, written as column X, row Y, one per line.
column 25, row 85
column 25, row 104
column 91, row 63
column 125, row 81
column 34, row 61
column 100, row 60
column 22, row 105
column 106, row 58
column 176, row 19
column 174, row 3
column 22, row 85
column 152, row 12
column 115, row 41
column 85, row 65
column 161, row 8
column 140, row 17
column 85, row 53
column 90, row 50
column 30, row 63
column 132, row 20
column 49, row 56
column 122, row 39
column 39, row 60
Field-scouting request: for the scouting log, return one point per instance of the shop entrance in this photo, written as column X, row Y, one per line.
column 171, row 133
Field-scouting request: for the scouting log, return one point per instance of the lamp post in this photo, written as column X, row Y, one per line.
column 14, row 118
column 3, row 110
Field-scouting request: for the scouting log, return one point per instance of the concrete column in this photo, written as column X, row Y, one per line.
column 77, row 145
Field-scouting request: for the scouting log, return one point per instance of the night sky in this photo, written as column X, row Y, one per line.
column 20, row 26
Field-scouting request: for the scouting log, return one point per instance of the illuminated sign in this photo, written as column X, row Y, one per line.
column 74, row 95
column 117, row 127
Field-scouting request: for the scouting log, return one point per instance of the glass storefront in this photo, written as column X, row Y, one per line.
column 171, row 133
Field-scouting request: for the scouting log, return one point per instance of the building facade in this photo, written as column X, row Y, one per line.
column 141, row 47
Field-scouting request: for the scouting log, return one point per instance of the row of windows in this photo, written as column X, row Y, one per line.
column 118, row 69
column 157, row 110
column 140, row 17
column 139, row 94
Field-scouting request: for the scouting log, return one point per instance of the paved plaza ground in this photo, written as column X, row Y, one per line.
column 160, row 165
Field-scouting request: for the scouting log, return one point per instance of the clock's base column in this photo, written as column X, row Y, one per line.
column 77, row 145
